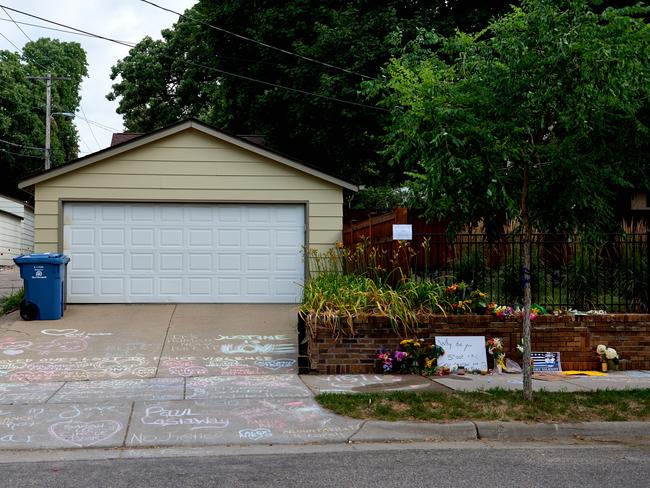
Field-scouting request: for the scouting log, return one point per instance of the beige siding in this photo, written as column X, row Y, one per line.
column 191, row 167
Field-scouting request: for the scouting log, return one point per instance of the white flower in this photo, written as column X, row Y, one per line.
column 611, row 353
column 601, row 348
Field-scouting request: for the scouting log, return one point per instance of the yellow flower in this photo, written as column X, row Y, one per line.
column 428, row 363
column 405, row 342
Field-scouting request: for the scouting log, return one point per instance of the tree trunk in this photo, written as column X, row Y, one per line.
column 525, row 281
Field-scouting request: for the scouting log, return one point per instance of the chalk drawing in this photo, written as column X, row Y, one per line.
column 84, row 434
column 73, row 333
column 256, row 347
column 165, row 417
column 255, row 434
column 275, row 364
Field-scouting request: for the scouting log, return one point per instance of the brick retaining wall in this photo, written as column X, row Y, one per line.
column 575, row 337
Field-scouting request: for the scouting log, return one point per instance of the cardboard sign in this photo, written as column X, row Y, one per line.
column 402, row 232
column 467, row 351
column 546, row 362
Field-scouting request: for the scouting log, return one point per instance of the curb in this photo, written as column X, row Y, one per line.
column 384, row 431
column 521, row 432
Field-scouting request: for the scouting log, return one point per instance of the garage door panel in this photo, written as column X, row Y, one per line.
column 148, row 253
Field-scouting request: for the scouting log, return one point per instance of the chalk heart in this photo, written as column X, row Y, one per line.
column 116, row 368
column 84, row 434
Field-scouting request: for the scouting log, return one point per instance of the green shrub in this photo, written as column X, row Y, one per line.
column 12, row 302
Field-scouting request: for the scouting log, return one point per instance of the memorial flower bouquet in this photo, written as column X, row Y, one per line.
column 495, row 348
column 608, row 357
column 411, row 356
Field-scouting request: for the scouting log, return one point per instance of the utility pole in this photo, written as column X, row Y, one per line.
column 48, row 122
column 48, row 110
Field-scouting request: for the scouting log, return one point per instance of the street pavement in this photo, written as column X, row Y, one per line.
column 165, row 376
column 441, row 465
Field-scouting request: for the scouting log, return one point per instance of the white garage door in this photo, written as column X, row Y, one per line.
column 158, row 252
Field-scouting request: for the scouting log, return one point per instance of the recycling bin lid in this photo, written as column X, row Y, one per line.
column 42, row 258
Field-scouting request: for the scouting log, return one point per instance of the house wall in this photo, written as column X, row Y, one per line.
column 190, row 167
column 16, row 230
column 575, row 337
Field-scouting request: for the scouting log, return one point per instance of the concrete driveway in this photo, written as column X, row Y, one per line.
column 94, row 342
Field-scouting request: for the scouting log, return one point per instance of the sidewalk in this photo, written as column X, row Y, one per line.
column 250, row 410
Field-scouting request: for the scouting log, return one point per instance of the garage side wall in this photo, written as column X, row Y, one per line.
column 190, row 167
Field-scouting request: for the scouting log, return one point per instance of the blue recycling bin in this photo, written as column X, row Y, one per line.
column 44, row 279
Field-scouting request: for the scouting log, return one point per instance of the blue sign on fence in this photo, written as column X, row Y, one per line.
column 546, row 362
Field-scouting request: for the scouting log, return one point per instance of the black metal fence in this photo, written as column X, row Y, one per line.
column 566, row 272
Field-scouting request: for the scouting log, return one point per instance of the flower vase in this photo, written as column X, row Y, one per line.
column 611, row 365
column 603, row 366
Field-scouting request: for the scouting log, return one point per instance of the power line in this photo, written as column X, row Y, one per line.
column 255, row 41
column 127, row 44
column 21, row 155
column 12, row 19
column 66, row 31
column 268, row 83
column 80, row 106
column 255, row 80
column 23, row 146
column 9, row 41
column 99, row 146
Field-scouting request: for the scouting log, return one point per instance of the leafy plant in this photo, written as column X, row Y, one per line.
column 12, row 302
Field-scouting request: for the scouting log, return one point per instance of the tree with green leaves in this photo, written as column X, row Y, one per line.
column 198, row 71
column 542, row 117
column 22, row 107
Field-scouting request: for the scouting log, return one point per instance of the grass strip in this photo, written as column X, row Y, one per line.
column 497, row 404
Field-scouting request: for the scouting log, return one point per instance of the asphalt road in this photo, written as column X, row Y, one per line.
column 399, row 466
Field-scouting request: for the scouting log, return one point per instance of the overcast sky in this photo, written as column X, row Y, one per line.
column 127, row 20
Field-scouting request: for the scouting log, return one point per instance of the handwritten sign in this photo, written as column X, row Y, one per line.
column 467, row 351
column 544, row 362
column 402, row 232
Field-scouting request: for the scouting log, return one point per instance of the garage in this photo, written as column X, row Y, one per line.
column 186, row 214
column 184, row 253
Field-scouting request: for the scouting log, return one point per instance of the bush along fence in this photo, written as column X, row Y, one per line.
column 576, row 337
column 566, row 272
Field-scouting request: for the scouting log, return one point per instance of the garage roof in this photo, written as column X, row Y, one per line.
column 174, row 129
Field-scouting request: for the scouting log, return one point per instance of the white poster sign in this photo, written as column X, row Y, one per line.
column 467, row 351
column 402, row 232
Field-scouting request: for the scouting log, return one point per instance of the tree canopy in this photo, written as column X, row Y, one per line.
column 541, row 118
column 22, row 107
column 185, row 73
column 553, row 89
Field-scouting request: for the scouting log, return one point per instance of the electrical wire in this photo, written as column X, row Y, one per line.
column 228, row 73
column 23, row 146
column 12, row 19
column 40, row 26
column 19, row 154
column 255, row 41
column 99, row 146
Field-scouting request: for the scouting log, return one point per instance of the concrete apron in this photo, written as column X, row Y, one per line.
column 95, row 342
column 161, row 375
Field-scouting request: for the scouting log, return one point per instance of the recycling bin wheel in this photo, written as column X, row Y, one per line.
column 28, row 311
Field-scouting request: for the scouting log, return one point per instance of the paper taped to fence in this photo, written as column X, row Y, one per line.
column 467, row 351
column 402, row 232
